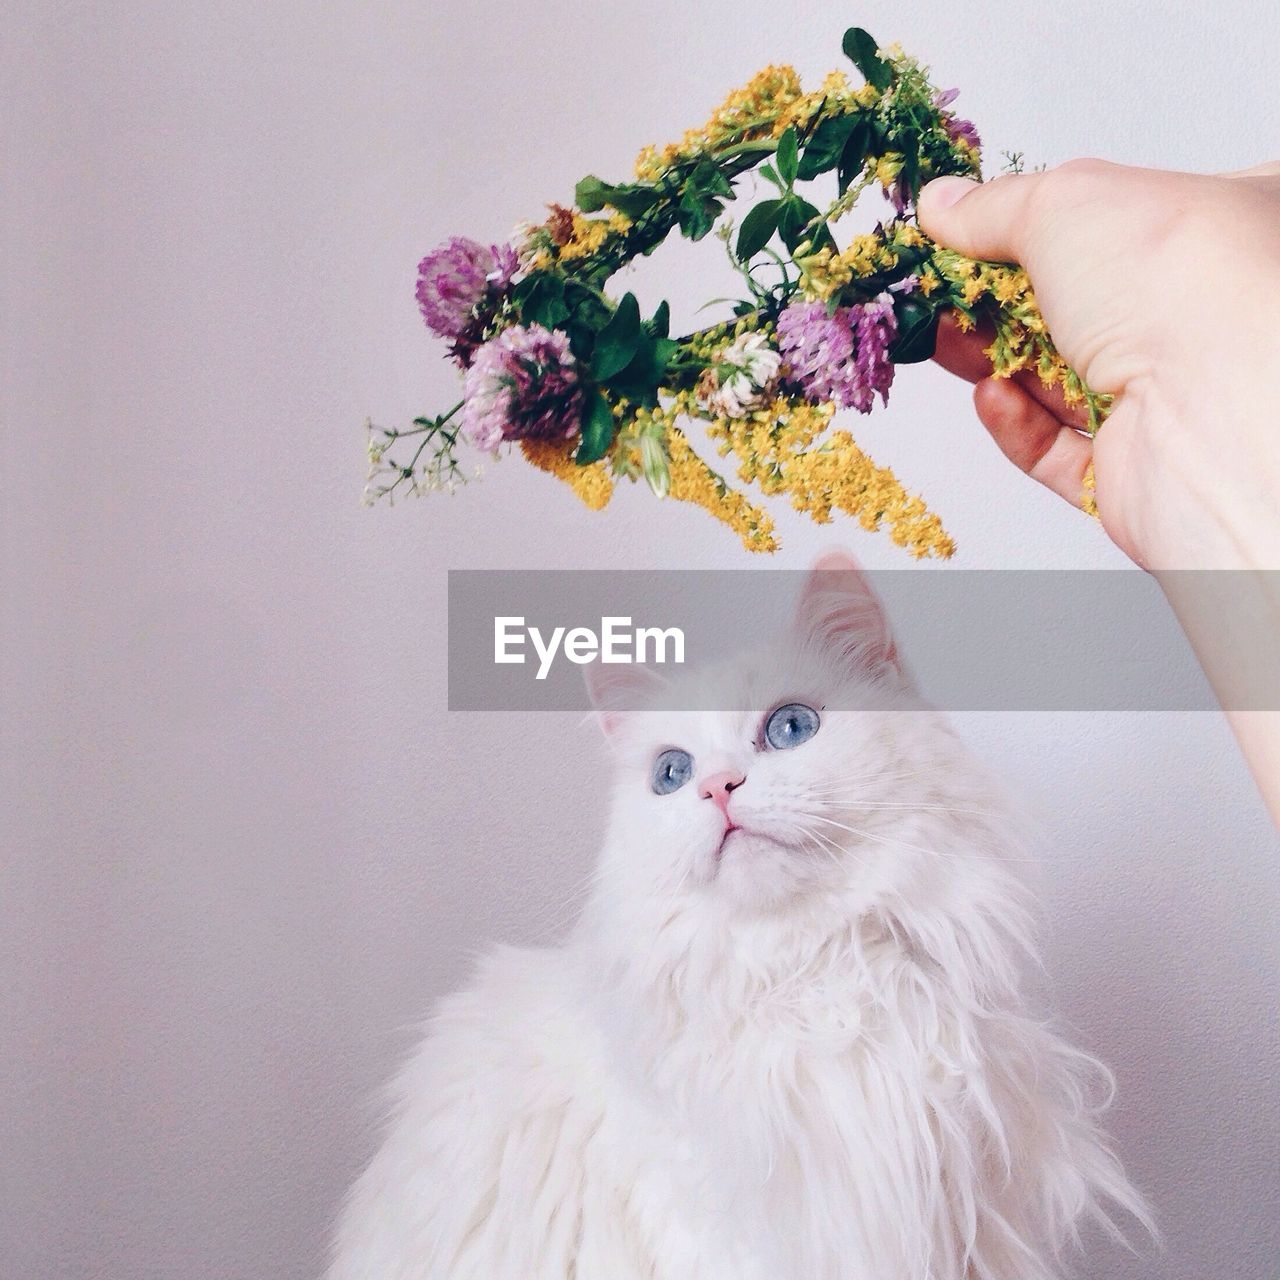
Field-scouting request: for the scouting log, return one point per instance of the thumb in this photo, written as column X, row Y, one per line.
column 979, row 219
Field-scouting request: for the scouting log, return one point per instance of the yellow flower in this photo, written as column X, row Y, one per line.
column 1007, row 284
column 693, row 481
column 825, row 273
column 1073, row 392
column 836, row 87
column 588, row 237
column 839, row 476
column 648, row 163
column 592, row 483
column 752, row 112
column 888, row 167
column 1089, row 493
column 781, row 449
column 799, row 112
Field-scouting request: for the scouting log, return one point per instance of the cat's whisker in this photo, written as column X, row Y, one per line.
column 892, row 841
column 898, row 773
column 901, row 806
column 871, row 787
column 824, row 843
column 898, row 843
column 865, row 782
column 564, row 911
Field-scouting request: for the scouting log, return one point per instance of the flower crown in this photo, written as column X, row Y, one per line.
column 593, row 391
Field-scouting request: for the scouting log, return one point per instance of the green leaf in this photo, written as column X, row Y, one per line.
column 589, row 194
column 597, row 430
column 553, row 315
column 639, row 380
column 663, row 350
column 854, row 155
column 788, row 156
column 701, row 199
column 910, row 175
column 823, row 150
column 543, row 301
column 582, row 339
column 643, row 375
column 794, row 215
column 917, row 330
column 768, row 171
column 660, row 325
column 864, row 53
column 587, row 308
column 633, row 200
column 697, row 213
column 593, row 194
column 617, row 341
column 709, row 179
column 757, row 229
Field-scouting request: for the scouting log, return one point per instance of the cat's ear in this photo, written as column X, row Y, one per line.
column 616, row 688
column 840, row 613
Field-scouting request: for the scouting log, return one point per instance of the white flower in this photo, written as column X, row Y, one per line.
column 525, row 241
column 742, row 378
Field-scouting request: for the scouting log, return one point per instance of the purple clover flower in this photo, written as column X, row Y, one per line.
column 456, row 282
column 963, row 131
column 522, row 384
column 842, row 356
column 958, row 130
column 876, row 327
column 506, row 262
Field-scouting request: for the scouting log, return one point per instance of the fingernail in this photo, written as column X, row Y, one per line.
column 942, row 193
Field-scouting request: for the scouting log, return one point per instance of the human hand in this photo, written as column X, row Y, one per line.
column 1162, row 289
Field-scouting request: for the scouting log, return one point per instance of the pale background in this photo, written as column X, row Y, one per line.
column 244, row 845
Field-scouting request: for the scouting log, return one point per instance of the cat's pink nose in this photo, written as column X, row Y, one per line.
column 718, row 786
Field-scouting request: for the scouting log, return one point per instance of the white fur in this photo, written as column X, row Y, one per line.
column 807, row 1060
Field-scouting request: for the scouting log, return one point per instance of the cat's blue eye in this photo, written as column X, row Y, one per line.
column 791, row 725
column 671, row 770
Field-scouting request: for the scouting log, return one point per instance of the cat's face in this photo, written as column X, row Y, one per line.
column 762, row 808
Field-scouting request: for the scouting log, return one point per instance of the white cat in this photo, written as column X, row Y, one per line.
column 786, row 1039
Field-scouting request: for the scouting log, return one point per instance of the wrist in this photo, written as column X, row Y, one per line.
column 1203, row 457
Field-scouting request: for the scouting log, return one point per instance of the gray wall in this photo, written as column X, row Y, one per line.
column 244, row 847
